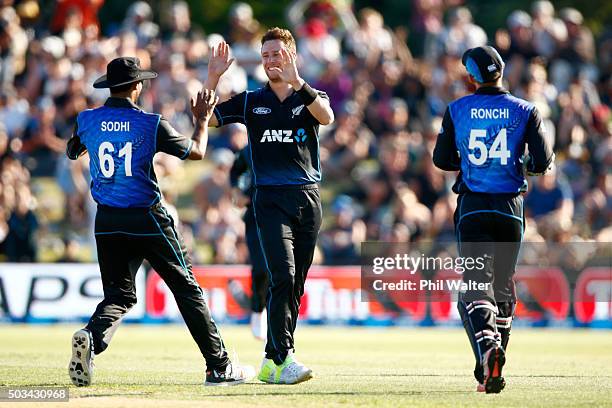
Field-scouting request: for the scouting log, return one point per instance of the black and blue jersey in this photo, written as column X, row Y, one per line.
column 121, row 140
column 283, row 136
column 484, row 136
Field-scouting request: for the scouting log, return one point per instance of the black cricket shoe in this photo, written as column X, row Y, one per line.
column 233, row 374
column 493, row 361
column 81, row 366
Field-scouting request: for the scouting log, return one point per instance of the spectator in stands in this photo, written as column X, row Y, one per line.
column 598, row 205
column 7, row 63
column 41, row 142
column 215, row 186
column 138, row 20
column 179, row 26
column 243, row 36
column 14, row 112
column 458, row 35
column 412, row 214
column 317, row 48
column 548, row 32
column 580, row 46
column 71, row 251
column 346, row 143
column 371, row 40
column 22, row 224
column 86, row 10
column 550, row 200
column 340, row 241
column 426, row 25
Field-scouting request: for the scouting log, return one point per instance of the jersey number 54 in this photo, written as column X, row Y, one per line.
column 499, row 148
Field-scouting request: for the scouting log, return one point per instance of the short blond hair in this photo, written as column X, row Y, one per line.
column 277, row 33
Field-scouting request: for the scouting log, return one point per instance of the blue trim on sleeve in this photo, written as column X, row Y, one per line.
column 155, row 135
column 219, row 117
column 246, row 95
column 78, row 124
column 183, row 157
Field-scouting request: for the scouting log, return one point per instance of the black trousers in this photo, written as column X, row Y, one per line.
column 288, row 221
column 259, row 275
column 124, row 238
column 489, row 227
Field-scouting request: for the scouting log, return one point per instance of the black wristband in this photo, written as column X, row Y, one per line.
column 307, row 94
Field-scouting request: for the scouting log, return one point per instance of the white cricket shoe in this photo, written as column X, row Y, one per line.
column 290, row 372
column 81, row 366
column 234, row 374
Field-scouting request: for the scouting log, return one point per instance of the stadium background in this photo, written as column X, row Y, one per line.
column 390, row 70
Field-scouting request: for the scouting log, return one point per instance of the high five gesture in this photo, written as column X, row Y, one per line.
column 219, row 61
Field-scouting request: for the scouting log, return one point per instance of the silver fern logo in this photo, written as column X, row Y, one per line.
column 296, row 111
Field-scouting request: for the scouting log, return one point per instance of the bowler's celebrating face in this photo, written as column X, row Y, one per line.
column 272, row 58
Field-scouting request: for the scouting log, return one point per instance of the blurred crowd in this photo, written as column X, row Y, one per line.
column 379, row 181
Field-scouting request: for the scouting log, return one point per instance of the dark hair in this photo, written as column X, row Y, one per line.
column 122, row 88
column 276, row 33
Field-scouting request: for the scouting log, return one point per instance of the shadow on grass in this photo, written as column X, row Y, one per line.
column 446, row 375
column 345, row 393
column 119, row 394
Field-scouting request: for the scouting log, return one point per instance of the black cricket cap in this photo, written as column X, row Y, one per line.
column 483, row 63
column 123, row 71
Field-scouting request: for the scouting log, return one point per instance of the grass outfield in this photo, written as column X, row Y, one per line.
column 160, row 366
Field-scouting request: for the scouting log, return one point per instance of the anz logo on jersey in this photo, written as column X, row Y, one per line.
column 284, row 136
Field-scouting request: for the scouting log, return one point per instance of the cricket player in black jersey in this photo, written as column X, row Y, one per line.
column 241, row 180
column 282, row 119
column 484, row 137
column 132, row 223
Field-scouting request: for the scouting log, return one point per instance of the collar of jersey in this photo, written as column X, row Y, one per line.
column 491, row 90
column 268, row 88
column 113, row 102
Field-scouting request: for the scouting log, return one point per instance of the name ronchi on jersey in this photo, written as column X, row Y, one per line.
column 487, row 113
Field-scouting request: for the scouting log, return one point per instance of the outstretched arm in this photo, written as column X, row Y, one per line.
column 202, row 108
column 218, row 63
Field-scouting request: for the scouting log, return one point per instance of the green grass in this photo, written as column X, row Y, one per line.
column 354, row 367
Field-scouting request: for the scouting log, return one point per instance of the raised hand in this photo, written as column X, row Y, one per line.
column 219, row 60
column 288, row 69
column 203, row 105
